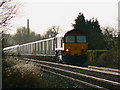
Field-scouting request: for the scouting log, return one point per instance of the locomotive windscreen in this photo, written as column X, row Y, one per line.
column 75, row 39
column 81, row 39
column 70, row 39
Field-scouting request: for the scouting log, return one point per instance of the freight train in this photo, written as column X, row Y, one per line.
column 68, row 47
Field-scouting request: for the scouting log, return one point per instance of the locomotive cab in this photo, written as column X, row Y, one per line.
column 75, row 43
column 75, row 47
column 71, row 47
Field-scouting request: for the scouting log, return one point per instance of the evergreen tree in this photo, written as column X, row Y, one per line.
column 80, row 23
column 96, row 36
column 92, row 30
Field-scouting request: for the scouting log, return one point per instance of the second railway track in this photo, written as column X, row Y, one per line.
column 85, row 75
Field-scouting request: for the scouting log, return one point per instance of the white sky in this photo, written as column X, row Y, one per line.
column 43, row 14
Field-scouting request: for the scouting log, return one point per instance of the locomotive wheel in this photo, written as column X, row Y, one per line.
column 75, row 60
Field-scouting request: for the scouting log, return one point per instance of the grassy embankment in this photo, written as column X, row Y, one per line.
column 20, row 75
column 107, row 58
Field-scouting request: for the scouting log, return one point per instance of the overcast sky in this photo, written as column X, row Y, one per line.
column 43, row 14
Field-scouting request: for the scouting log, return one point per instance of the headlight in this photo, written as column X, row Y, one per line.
column 67, row 50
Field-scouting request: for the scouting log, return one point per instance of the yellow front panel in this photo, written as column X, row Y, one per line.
column 76, row 48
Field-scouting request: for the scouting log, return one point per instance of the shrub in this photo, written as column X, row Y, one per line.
column 20, row 75
column 108, row 59
column 16, row 79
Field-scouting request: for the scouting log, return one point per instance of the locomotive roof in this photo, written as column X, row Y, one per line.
column 75, row 32
column 70, row 32
column 62, row 34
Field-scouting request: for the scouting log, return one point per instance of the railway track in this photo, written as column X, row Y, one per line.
column 89, row 76
column 117, row 71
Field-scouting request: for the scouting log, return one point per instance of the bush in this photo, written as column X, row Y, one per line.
column 16, row 79
column 105, row 58
column 108, row 59
column 21, row 75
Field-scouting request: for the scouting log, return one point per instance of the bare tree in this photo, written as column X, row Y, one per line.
column 8, row 9
column 52, row 31
column 21, row 36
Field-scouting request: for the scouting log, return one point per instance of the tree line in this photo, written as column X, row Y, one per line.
column 21, row 36
column 98, row 38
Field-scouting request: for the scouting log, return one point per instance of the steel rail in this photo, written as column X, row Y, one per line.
column 80, row 74
column 83, row 68
column 80, row 81
column 104, row 68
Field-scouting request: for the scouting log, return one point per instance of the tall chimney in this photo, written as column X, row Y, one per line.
column 28, row 26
